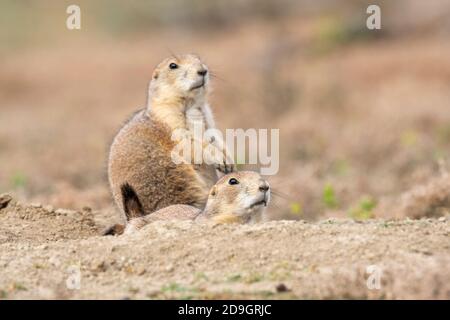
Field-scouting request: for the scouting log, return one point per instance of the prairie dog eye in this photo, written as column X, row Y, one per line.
column 233, row 181
column 173, row 65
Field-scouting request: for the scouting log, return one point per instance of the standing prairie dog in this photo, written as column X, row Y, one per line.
column 140, row 154
column 239, row 197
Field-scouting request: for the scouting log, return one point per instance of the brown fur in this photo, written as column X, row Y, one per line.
column 174, row 212
column 114, row 230
column 140, row 155
column 226, row 204
column 141, row 152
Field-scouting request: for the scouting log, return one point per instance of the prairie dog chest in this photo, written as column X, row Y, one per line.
column 196, row 119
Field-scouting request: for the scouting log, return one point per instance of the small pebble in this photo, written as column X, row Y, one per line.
column 5, row 199
column 54, row 260
column 64, row 211
column 102, row 266
column 170, row 268
column 281, row 288
column 141, row 271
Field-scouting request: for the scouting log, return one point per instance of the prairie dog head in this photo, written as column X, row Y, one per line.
column 179, row 77
column 238, row 197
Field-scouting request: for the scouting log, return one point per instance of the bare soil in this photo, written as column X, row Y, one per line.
column 40, row 248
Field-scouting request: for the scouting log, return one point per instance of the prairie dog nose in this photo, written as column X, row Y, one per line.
column 202, row 72
column 263, row 186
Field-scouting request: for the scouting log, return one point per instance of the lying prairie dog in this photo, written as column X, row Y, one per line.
column 239, row 197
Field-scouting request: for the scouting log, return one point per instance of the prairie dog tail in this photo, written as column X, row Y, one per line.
column 114, row 230
column 131, row 204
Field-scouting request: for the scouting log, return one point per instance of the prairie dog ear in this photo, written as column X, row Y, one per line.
column 155, row 74
column 213, row 191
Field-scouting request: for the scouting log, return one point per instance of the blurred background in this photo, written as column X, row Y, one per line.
column 364, row 116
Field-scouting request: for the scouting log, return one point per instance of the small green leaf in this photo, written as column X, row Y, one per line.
column 329, row 196
column 173, row 287
column 364, row 209
column 234, row 277
column 409, row 138
column 296, row 208
column 18, row 180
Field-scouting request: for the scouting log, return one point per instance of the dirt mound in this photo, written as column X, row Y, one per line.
column 59, row 254
column 430, row 200
column 36, row 223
